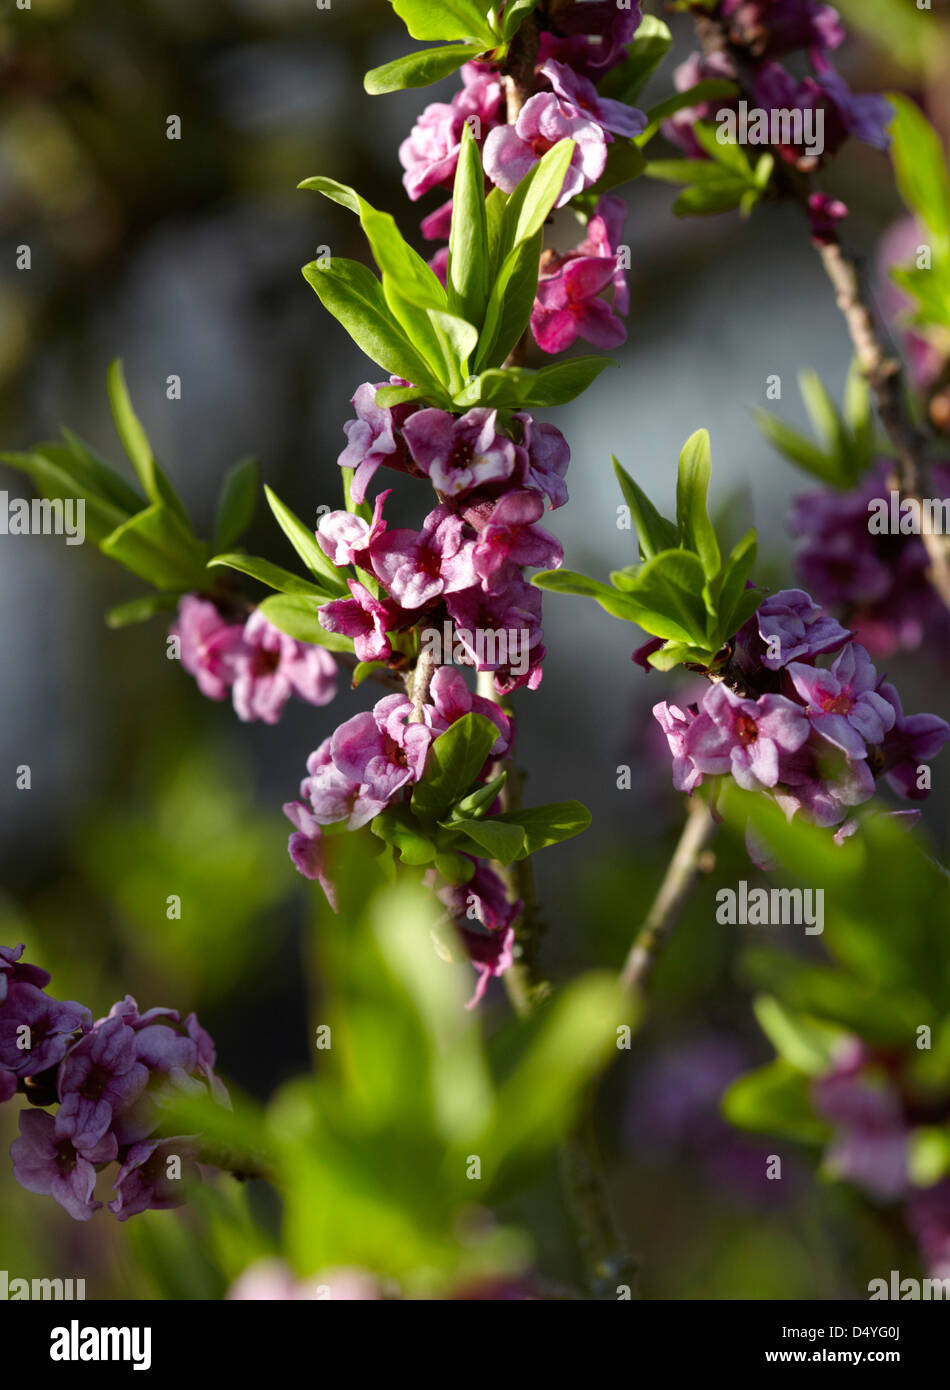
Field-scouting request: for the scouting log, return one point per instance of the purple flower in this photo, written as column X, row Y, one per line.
column 458, row 453
column 822, row 782
column 590, row 36
column 373, row 437
column 418, row 566
column 548, row 456
column 36, row 1031
column 364, row 618
column 567, row 305
column 675, row 723
column 844, row 705
column 697, row 68
column 491, row 954
column 912, row 741
column 501, row 632
column 210, row 644
column 13, row 970
column 51, row 1165
column 790, row 626
column 511, row 538
column 866, row 117
column 745, row 737
column 307, row 850
column 207, row 1057
column 870, row 1147
column 430, row 153
column 100, row 1076
column 451, row 699
column 273, row 666
column 824, row 215
column 772, row 27
column 153, row 1176
column 580, row 92
column 345, row 538
column 511, row 151
column 380, row 749
column 329, row 796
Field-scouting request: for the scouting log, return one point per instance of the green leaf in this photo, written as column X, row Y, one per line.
column 692, row 485
column 100, row 478
column 272, row 575
column 454, row 761
column 822, row 411
column 354, row 296
column 236, row 503
column 807, row 1044
column 474, row 806
column 517, row 386
column 532, row 202
column 625, row 162
column 650, row 46
column 546, row 825
column 445, row 19
column 774, row 1100
column 920, row 166
column 137, row 610
column 156, row 546
column 798, row 448
column 706, row 199
column 570, row 582
column 419, row 69
column 673, row 654
column 304, row 541
column 399, row 828
column 135, row 442
column 654, row 532
column 510, row 302
column 458, row 339
column 729, row 154
column 516, row 12
column 502, row 840
column 297, row 616
column 665, row 596
column 733, row 590
column 467, row 274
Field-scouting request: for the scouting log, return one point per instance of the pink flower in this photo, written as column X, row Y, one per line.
column 567, row 306
column 273, row 666
column 418, row 566
column 210, row 644
column 430, row 153
column 745, row 737
column 345, row 538
column 511, row 538
column 581, row 93
column 511, row 151
column 364, row 618
column 380, row 749
column 459, row 453
column 844, row 705
column 675, row 723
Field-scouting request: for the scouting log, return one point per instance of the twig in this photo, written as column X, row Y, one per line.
column 671, row 895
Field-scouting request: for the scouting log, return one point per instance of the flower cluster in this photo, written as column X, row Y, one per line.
column 873, row 1108
column 109, row 1079
column 260, row 666
column 816, row 737
column 878, row 582
column 577, row 45
column 755, row 35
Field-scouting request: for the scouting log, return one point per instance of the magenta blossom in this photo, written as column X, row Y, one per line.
column 51, row 1165
column 13, row 970
column 547, row 458
column 698, row 67
column 210, row 644
column 153, row 1176
column 345, row 538
column 567, row 306
column 512, row 538
column 675, row 723
column 512, row 150
column 382, row 753
column 866, row 117
column 591, row 36
column 844, row 705
column 307, row 850
column 429, row 154
column 273, row 666
column 417, row 566
column 789, row 626
column 329, row 796
column 501, row 632
column 772, row 27
column 373, row 438
column 100, row 1076
column 581, row 93
column 912, row 741
column 36, row 1031
column 451, row 699
column 458, row 453
column 364, row 618
column 822, row 782
column 745, row 737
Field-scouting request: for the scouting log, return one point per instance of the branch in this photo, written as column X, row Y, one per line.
column 672, row 894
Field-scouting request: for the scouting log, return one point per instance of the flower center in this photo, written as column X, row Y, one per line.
column 65, row 1157
column 746, row 729
column 842, row 703
column 265, row 662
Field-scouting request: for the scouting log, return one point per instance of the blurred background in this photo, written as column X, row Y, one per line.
column 184, row 257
